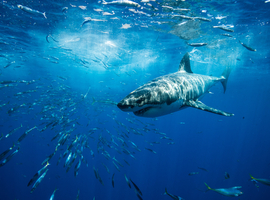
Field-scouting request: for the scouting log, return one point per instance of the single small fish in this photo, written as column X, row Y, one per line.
column 193, row 173
column 74, row 142
column 172, row 195
column 126, row 162
column 48, row 158
column 86, row 21
column 64, row 10
column 229, row 192
column 170, row 143
column 127, row 181
column 122, row 3
column 203, row 169
column 50, row 36
column 247, row 47
column 38, row 181
column 169, row 7
column 95, row 172
column 78, row 194
column 12, row 131
column 227, row 175
column 56, row 136
column 139, row 196
column 25, row 134
column 203, row 19
column 63, row 78
column 52, row 197
column 97, row 175
column 116, row 166
column 77, row 167
column 224, row 28
column 150, row 150
column 9, row 64
column 227, row 35
column 117, row 162
column 113, row 179
column 184, row 17
column 8, row 82
column 136, row 187
column 107, row 169
column 31, row 11
column 197, row 44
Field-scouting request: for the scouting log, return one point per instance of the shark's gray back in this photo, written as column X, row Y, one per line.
column 176, row 86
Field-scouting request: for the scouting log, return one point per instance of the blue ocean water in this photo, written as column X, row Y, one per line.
column 62, row 76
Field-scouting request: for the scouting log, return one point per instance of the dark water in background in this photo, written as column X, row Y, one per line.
column 114, row 61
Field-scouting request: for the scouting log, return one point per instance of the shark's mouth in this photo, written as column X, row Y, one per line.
column 142, row 111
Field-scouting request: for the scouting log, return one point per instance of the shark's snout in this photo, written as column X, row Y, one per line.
column 122, row 105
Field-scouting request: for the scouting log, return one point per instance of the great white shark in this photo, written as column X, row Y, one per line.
column 173, row 92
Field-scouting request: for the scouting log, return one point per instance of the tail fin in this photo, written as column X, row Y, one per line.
column 44, row 14
column 166, row 192
column 93, row 100
column 251, row 176
column 225, row 75
column 208, row 187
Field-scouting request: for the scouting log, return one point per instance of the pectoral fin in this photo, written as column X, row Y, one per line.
column 201, row 106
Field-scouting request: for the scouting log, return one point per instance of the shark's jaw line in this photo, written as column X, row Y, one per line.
column 159, row 110
column 142, row 111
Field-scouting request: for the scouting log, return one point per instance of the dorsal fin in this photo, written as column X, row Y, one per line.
column 185, row 64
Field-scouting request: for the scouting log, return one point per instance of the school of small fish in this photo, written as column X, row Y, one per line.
column 70, row 144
